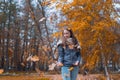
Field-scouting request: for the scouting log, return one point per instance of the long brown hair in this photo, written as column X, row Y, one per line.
column 71, row 36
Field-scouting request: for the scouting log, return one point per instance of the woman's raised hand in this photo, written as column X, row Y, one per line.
column 59, row 64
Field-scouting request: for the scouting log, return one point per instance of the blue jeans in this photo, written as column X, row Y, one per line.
column 69, row 75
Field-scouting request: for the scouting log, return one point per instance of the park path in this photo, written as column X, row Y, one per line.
column 58, row 77
column 80, row 77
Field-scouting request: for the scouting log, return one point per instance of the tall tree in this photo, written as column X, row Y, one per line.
column 8, row 8
column 92, row 21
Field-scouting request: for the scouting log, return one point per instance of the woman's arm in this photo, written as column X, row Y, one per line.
column 78, row 58
column 60, row 54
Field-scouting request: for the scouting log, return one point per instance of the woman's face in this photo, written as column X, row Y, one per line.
column 66, row 34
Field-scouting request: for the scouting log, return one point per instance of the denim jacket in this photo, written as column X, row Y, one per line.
column 68, row 56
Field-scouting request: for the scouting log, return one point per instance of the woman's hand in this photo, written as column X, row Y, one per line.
column 59, row 64
column 76, row 63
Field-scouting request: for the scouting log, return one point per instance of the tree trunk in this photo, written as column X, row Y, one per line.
column 6, row 54
column 104, row 62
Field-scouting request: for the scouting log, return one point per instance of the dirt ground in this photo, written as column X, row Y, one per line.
column 58, row 77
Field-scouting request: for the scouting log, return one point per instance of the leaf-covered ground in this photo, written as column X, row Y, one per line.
column 58, row 77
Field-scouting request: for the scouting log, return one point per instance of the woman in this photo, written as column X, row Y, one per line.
column 69, row 55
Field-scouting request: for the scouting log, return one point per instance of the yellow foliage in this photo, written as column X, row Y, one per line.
column 52, row 1
column 1, row 71
column 91, row 22
column 45, row 3
column 58, row 6
column 35, row 58
column 57, row 34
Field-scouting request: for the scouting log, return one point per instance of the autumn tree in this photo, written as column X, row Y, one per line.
column 94, row 23
column 23, row 32
column 8, row 13
column 40, row 39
